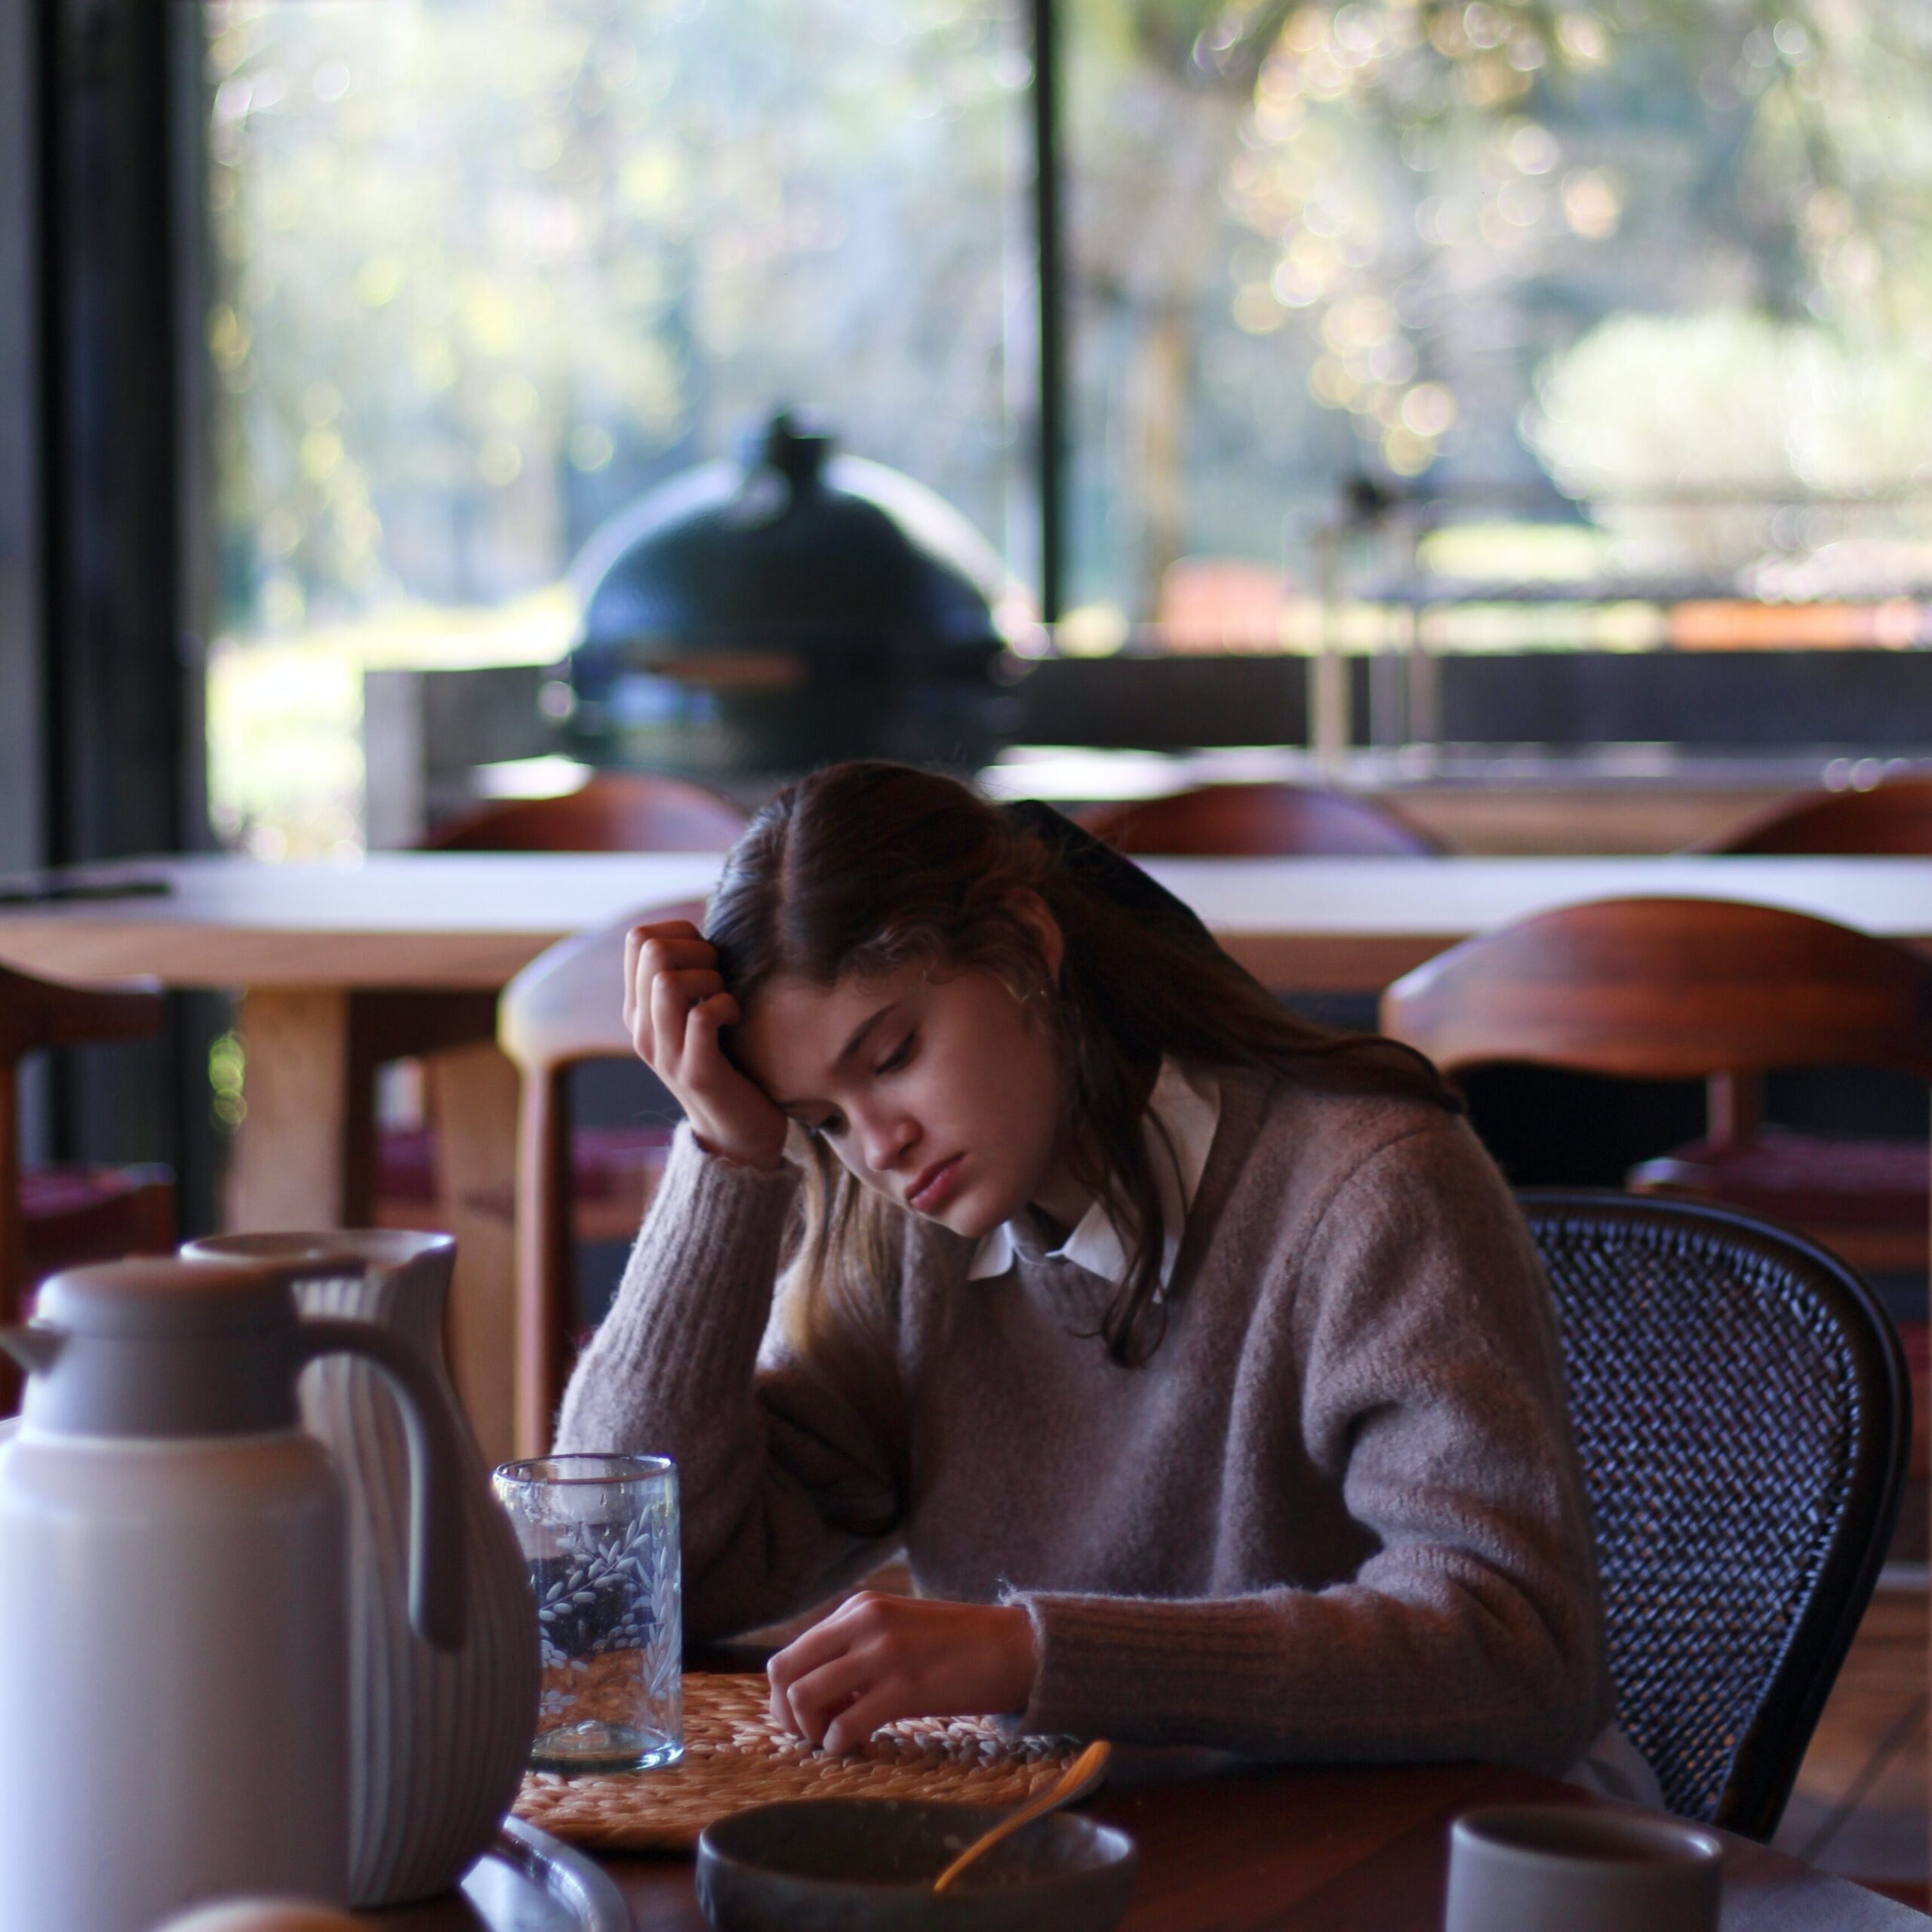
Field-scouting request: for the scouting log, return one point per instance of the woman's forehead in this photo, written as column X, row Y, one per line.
column 848, row 993
column 799, row 1028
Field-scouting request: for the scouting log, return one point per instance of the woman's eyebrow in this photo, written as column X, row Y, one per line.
column 862, row 1030
column 859, row 1035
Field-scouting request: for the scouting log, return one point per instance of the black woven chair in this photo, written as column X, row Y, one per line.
column 1740, row 1405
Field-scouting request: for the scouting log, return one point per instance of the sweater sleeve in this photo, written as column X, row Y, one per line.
column 784, row 1492
column 1431, row 1396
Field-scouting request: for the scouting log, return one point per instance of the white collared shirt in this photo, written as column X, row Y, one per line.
column 1182, row 1112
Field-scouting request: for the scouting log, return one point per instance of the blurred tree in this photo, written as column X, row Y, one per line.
column 1443, row 199
column 488, row 267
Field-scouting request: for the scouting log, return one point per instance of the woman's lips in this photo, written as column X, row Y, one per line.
column 935, row 1187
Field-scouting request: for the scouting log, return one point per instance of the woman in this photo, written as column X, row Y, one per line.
column 1198, row 1359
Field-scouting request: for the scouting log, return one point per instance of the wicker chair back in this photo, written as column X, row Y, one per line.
column 1740, row 1407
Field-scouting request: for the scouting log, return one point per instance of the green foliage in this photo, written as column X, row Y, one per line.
column 486, row 266
column 1415, row 159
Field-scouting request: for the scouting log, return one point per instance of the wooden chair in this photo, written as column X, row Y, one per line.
column 1273, row 821
column 1715, row 990
column 52, row 1218
column 613, row 811
column 565, row 1007
column 1880, row 1192
column 1892, row 819
column 1879, row 1184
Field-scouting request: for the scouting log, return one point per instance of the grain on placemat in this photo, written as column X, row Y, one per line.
column 735, row 1757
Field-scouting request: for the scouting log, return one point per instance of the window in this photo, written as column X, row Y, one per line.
column 1623, row 293
column 1504, row 324
column 489, row 268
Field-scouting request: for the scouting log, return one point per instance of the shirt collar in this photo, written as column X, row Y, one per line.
column 1182, row 1112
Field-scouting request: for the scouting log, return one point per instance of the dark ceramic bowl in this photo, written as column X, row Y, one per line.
column 867, row 1865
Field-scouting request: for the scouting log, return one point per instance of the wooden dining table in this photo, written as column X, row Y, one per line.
column 1324, row 1849
column 336, row 963
column 341, row 965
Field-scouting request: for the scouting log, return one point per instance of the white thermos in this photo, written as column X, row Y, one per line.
column 173, row 1598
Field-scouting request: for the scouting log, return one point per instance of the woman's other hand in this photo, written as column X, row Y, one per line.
column 674, row 1003
column 878, row 1658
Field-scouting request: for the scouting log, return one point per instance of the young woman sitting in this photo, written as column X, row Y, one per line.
column 1198, row 1359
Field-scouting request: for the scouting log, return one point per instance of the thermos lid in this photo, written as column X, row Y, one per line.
column 158, row 1298
column 176, row 1348
column 161, row 1347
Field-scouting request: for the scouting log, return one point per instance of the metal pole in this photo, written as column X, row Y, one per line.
column 1052, row 366
column 1330, row 726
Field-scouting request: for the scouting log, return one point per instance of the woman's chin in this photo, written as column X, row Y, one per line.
column 974, row 1214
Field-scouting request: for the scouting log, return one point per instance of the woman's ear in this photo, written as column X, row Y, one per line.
column 1037, row 916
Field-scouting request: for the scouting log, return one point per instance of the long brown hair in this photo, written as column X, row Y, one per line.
column 863, row 867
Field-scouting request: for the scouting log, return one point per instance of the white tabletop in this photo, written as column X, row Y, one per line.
column 470, row 920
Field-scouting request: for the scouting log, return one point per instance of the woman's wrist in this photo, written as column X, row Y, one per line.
column 1021, row 1651
column 755, row 1160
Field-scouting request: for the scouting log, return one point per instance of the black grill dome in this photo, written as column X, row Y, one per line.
column 761, row 616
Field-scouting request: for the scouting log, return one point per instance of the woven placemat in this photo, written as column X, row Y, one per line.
column 735, row 1758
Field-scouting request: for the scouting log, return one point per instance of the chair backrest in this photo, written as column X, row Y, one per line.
column 1261, row 821
column 612, row 811
column 1741, row 1410
column 1894, row 818
column 1668, row 989
column 565, row 1007
column 37, row 1014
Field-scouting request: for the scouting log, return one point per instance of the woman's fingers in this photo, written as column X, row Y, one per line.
column 670, row 1009
column 678, row 1049
column 703, row 1024
column 817, row 1701
column 811, row 1650
column 673, row 946
column 633, row 945
column 671, row 932
column 826, row 1682
column 675, row 1001
column 884, row 1702
column 877, row 1659
column 839, row 1705
column 693, row 984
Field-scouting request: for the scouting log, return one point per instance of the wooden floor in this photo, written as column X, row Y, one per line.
column 1860, row 1808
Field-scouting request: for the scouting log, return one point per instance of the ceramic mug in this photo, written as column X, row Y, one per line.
column 1560, row 1868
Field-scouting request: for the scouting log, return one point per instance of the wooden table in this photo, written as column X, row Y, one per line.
column 341, row 966
column 448, row 921
column 1313, row 1850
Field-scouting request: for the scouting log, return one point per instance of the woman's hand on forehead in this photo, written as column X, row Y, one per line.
column 675, row 1003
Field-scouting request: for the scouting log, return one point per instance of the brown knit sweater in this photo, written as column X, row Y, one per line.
column 1336, row 1515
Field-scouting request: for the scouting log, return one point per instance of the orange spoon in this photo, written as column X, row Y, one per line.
column 1076, row 1781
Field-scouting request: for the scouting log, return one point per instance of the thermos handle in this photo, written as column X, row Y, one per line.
column 438, row 1584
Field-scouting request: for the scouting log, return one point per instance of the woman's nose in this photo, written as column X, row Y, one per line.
column 886, row 1140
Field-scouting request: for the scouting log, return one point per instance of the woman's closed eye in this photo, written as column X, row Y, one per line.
column 832, row 1126
column 900, row 1056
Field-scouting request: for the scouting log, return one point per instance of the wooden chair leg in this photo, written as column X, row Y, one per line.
column 543, row 1255
column 13, row 1233
column 1734, row 1107
column 158, row 1224
column 473, row 1110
